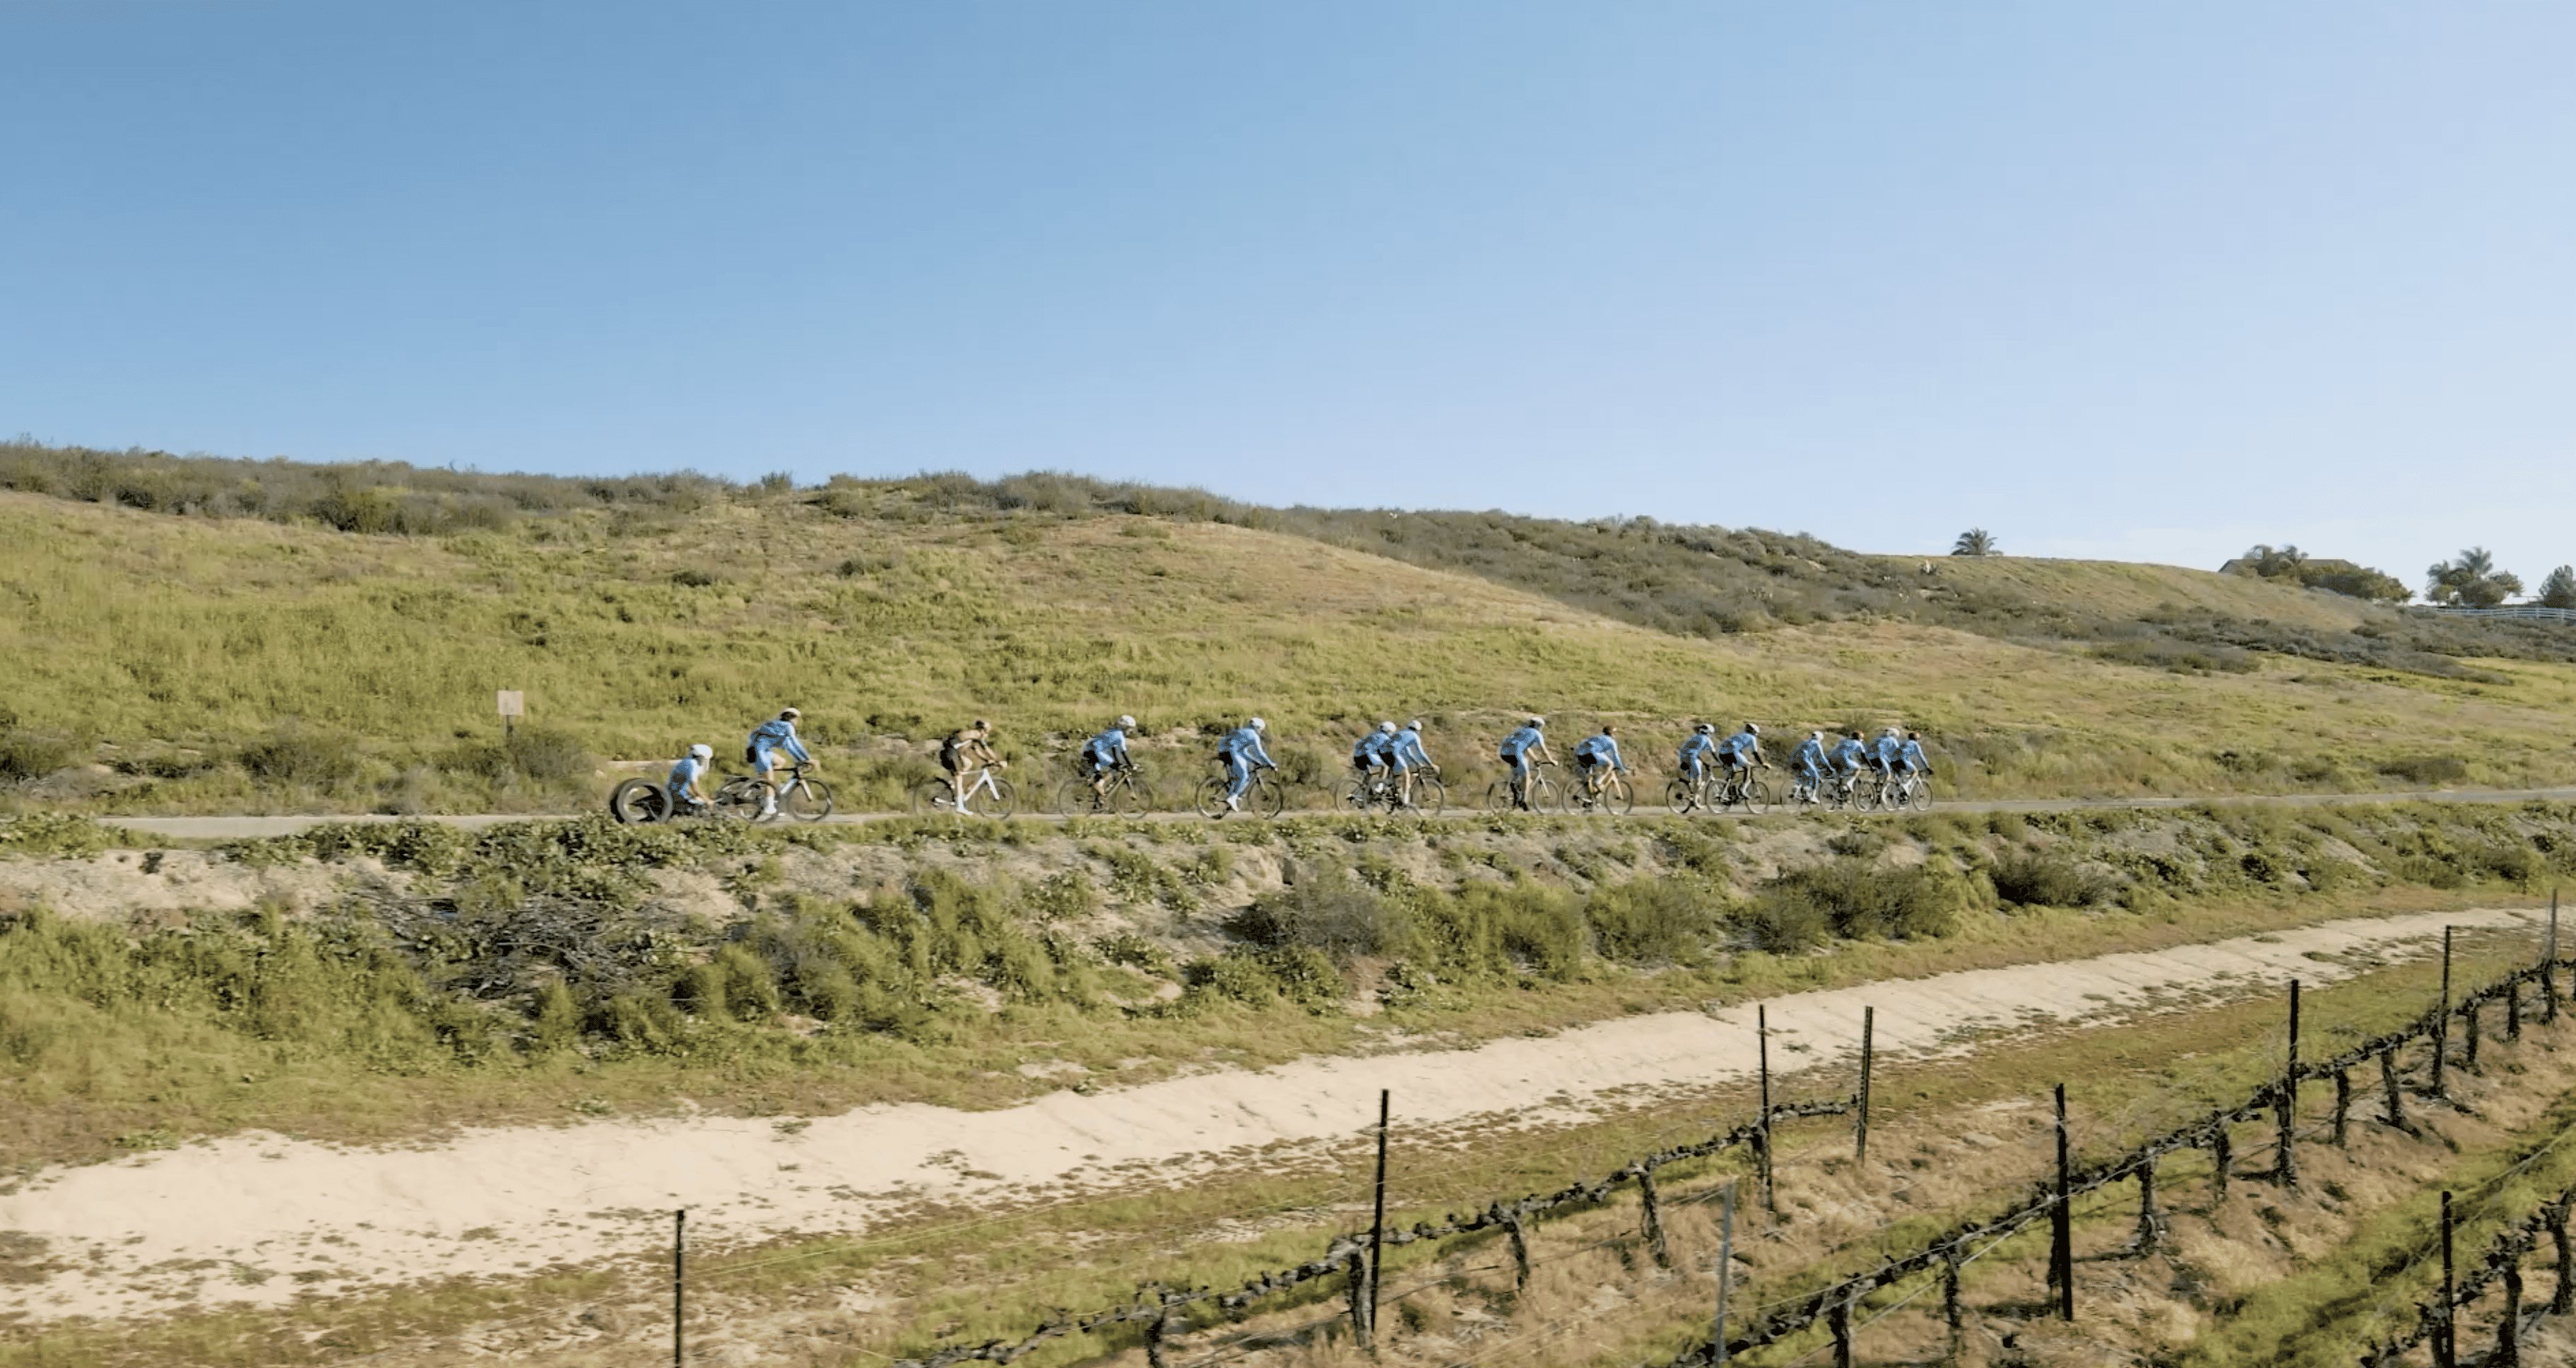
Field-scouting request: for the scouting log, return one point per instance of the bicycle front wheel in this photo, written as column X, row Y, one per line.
column 1757, row 795
column 810, row 800
column 1430, row 797
column 1546, row 795
column 998, row 800
column 1617, row 797
column 1266, row 798
column 1919, row 794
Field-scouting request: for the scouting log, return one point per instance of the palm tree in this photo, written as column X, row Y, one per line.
column 1976, row 541
column 2472, row 581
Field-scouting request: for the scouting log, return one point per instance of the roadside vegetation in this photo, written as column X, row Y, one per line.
column 534, row 967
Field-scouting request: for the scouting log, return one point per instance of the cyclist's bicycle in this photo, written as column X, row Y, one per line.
column 1878, row 791
column 1379, row 790
column 1545, row 794
column 1896, row 792
column 1743, row 789
column 1686, row 795
column 803, row 797
column 1807, row 792
column 1264, row 797
column 638, row 802
column 1123, row 789
column 1603, row 790
column 988, row 795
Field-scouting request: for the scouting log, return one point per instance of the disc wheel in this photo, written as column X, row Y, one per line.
column 638, row 801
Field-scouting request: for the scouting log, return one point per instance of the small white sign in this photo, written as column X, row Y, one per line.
column 513, row 703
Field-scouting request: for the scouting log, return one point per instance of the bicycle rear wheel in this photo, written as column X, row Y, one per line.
column 810, row 800
column 934, row 796
column 1498, row 796
column 742, row 800
column 638, row 801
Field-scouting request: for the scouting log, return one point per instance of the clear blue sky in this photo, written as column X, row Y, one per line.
column 2140, row 281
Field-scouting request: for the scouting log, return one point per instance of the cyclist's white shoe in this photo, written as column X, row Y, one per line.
column 1234, row 803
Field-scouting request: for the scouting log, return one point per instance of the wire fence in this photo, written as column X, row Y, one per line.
column 2453, row 1028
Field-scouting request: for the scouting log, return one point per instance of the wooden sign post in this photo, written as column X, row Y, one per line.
column 513, row 705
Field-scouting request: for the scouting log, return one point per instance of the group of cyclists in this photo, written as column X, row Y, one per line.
column 1389, row 757
column 1386, row 762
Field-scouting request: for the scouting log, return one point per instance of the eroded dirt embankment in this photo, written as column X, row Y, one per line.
column 258, row 1219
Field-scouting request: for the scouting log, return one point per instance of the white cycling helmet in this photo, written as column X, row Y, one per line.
column 1386, row 728
column 1258, row 725
column 1125, row 723
column 1753, row 727
column 1538, row 722
column 702, row 751
column 1815, row 736
column 1414, row 725
column 788, row 714
column 1705, row 729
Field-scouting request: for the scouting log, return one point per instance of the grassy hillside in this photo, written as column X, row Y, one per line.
column 221, row 663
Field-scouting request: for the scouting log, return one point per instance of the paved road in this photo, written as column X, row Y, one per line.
column 239, row 828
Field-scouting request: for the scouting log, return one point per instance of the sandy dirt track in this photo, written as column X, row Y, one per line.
column 258, row 1219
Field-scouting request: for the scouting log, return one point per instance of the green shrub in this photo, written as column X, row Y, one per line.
column 1323, row 909
column 56, row 833
column 1656, row 921
column 2046, row 881
column 1855, row 899
column 2426, row 769
column 33, row 754
column 303, row 755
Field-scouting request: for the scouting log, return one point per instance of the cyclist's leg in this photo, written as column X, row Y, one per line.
column 1238, row 772
column 1520, row 781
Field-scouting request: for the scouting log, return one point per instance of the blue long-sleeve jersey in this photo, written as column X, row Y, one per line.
column 779, row 734
column 1890, row 750
column 1849, row 755
column 1601, row 749
column 1913, row 757
column 1374, row 748
column 1810, row 758
column 1407, row 752
column 1695, row 752
column 1520, row 741
column 1245, row 744
column 1744, row 747
column 1107, row 749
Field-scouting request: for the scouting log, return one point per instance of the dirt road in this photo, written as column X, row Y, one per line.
column 244, row 828
column 260, row 1219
